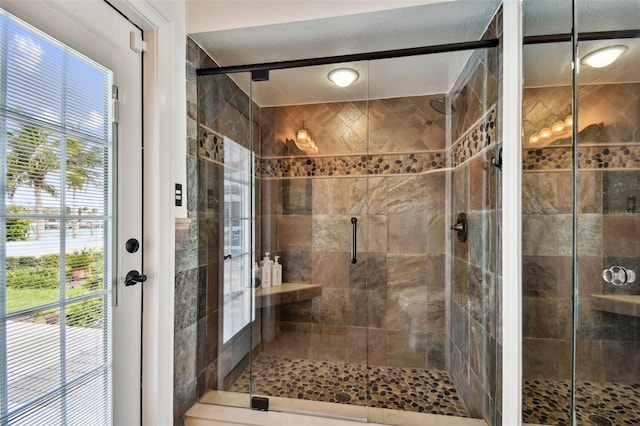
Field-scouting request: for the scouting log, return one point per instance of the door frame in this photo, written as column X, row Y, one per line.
column 23, row 11
column 511, row 232
column 164, row 132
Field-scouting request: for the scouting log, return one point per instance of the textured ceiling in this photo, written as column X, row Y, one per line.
column 424, row 25
column 554, row 16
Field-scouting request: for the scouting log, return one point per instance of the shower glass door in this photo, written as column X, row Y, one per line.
column 607, row 295
column 431, row 297
column 581, row 225
column 356, row 189
column 546, row 233
column 227, row 222
column 312, row 190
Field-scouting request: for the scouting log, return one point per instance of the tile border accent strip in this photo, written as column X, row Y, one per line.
column 210, row 145
column 590, row 157
column 478, row 138
column 351, row 165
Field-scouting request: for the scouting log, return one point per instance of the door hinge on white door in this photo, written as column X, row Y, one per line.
column 136, row 43
column 114, row 102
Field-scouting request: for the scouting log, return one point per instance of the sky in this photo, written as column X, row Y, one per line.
column 38, row 71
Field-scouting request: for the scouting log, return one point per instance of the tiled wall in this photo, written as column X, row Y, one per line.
column 472, row 347
column 400, row 228
column 347, row 128
column 222, row 106
column 189, row 278
column 200, row 358
column 609, row 172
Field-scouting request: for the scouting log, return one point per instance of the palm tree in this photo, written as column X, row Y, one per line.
column 31, row 155
column 82, row 163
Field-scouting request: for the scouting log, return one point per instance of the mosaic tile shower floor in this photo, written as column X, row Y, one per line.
column 408, row 389
column 598, row 404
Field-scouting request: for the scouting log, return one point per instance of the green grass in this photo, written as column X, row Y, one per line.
column 18, row 299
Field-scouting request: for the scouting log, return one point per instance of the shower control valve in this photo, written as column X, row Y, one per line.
column 618, row 275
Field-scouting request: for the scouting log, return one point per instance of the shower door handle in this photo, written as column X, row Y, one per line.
column 618, row 275
column 354, row 250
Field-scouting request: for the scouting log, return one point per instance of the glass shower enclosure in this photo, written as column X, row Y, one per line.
column 383, row 311
column 581, row 223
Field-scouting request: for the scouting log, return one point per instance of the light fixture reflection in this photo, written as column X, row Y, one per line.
column 343, row 77
column 305, row 142
column 545, row 133
column 559, row 129
column 568, row 122
column 604, row 57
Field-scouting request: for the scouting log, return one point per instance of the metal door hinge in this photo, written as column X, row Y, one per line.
column 259, row 403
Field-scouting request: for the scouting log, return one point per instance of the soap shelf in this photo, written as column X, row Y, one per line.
column 286, row 293
column 624, row 304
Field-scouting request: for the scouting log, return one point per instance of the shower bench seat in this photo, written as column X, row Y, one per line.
column 624, row 304
column 287, row 293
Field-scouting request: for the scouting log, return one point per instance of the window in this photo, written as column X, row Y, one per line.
column 238, row 290
column 54, row 216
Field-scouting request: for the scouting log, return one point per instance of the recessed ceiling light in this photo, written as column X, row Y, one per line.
column 343, row 77
column 603, row 57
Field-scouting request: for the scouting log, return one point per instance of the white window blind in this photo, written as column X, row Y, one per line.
column 55, row 132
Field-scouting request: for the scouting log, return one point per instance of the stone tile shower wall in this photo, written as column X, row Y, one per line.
column 471, row 347
column 199, row 355
column 608, row 234
column 189, row 275
column 400, row 220
column 224, row 107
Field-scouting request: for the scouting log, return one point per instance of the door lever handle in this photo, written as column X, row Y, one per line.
column 134, row 277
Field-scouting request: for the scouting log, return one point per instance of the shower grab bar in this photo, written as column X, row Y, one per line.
column 354, row 250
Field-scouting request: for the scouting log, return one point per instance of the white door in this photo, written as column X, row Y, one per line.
column 104, row 209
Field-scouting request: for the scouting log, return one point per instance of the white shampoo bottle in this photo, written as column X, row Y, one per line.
column 266, row 271
column 276, row 273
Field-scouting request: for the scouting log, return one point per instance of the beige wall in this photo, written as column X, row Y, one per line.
column 216, row 15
